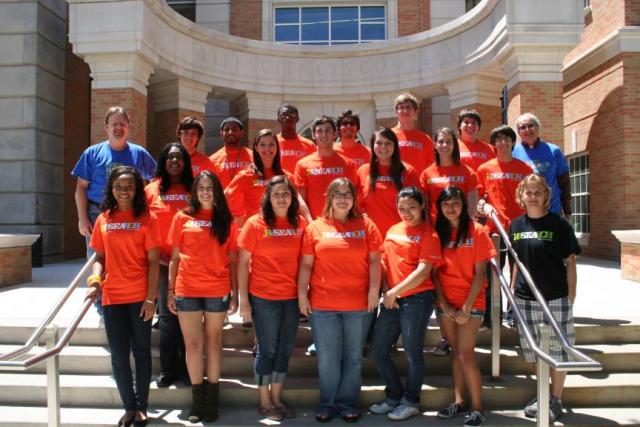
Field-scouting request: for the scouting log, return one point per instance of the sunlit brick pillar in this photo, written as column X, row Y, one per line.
column 172, row 100
column 120, row 80
column 481, row 93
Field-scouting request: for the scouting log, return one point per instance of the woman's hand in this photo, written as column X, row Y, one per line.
column 233, row 304
column 245, row 310
column 304, row 305
column 390, row 300
column 92, row 293
column 147, row 310
column 463, row 315
column 171, row 302
column 373, row 299
column 448, row 311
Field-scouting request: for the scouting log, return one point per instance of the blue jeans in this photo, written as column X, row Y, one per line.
column 127, row 332
column 339, row 337
column 410, row 320
column 276, row 325
column 172, row 351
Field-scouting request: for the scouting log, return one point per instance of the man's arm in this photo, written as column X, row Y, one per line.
column 564, row 183
column 82, row 202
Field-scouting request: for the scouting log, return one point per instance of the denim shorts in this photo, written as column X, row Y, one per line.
column 210, row 305
column 475, row 313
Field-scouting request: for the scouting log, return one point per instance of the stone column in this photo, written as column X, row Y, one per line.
column 385, row 114
column 32, row 73
column 172, row 99
column 119, row 79
column 480, row 92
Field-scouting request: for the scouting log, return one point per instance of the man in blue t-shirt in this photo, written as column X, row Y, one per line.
column 545, row 159
column 97, row 162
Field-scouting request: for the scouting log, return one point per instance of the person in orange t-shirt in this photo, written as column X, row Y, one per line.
column 293, row 147
column 125, row 240
column 168, row 193
column 338, row 287
column 411, row 249
column 459, row 281
column 416, row 147
column 446, row 171
column 473, row 151
column 233, row 157
column 189, row 132
column 244, row 193
column 203, row 284
column 315, row 172
column 267, row 271
column 389, row 175
column 348, row 127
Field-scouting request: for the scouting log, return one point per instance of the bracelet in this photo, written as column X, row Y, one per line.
column 93, row 280
column 150, row 301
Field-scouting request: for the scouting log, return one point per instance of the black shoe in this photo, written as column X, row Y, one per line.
column 165, row 380
column 211, row 401
column 141, row 422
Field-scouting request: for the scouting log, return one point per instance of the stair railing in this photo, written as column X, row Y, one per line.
column 545, row 361
column 54, row 345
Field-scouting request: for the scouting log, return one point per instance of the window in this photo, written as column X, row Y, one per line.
column 333, row 25
column 579, row 173
column 186, row 8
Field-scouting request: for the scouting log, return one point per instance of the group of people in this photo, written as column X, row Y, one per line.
column 364, row 241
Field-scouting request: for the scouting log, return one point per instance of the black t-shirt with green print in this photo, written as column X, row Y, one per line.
column 542, row 244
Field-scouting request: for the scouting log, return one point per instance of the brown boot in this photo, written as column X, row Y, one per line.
column 211, row 402
column 197, row 406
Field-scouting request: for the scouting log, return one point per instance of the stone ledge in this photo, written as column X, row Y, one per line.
column 629, row 253
column 17, row 240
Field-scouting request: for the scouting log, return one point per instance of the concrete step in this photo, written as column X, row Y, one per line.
column 512, row 391
column 30, row 416
column 235, row 335
column 95, row 360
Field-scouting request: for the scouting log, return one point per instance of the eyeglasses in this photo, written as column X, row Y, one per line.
column 345, row 195
column 526, row 126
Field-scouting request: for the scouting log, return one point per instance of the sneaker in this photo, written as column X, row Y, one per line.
column 475, row 418
column 453, row 410
column 531, row 409
column 382, row 408
column 442, row 349
column 311, row 349
column 555, row 408
column 403, row 412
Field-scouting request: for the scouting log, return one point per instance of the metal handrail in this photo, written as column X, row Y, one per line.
column 6, row 361
column 585, row 363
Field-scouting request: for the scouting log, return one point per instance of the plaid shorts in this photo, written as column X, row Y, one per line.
column 562, row 311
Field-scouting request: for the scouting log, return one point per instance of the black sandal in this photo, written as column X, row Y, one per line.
column 127, row 419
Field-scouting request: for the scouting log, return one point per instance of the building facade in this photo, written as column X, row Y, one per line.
column 576, row 64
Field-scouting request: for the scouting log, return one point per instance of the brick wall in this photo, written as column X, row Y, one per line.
column 15, row 265
column 630, row 261
column 77, row 126
column 425, row 116
column 246, row 19
column 414, row 16
column 133, row 101
column 544, row 99
column 491, row 117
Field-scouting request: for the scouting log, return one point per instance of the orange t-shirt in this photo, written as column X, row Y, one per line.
column 125, row 241
column 497, row 183
column 164, row 207
column 229, row 161
column 476, row 153
column 404, row 248
column 293, row 150
column 380, row 204
column 340, row 273
column 416, row 148
column 436, row 178
column 200, row 162
column 244, row 193
column 458, row 267
column 275, row 255
column 314, row 173
column 358, row 153
column 204, row 263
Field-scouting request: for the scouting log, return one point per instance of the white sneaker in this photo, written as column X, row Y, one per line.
column 403, row 412
column 382, row 408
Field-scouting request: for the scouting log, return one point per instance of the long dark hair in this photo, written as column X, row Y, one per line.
column 397, row 168
column 443, row 226
column 161, row 168
column 455, row 156
column 221, row 217
column 414, row 193
column 110, row 204
column 258, row 166
column 267, row 208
